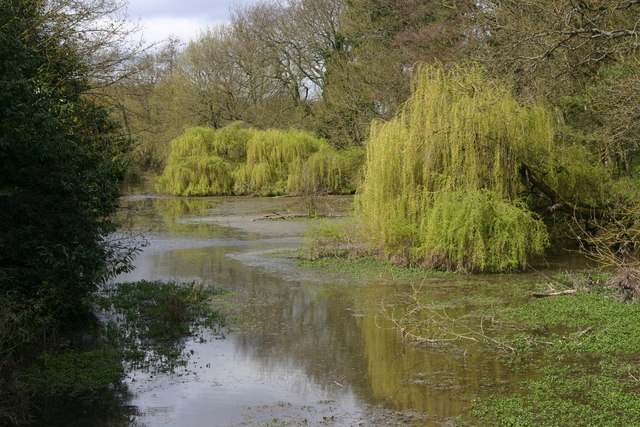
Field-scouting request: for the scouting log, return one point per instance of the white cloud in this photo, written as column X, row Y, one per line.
column 184, row 19
column 157, row 29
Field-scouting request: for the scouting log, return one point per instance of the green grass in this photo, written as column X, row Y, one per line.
column 566, row 396
column 582, row 353
column 584, row 323
column 75, row 374
column 368, row 267
column 286, row 253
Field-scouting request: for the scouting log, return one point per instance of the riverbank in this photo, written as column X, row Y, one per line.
column 575, row 351
column 317, row 342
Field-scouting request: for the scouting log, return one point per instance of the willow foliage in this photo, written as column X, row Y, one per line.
column 235, row 160
column 196, row 167
column 442, row 179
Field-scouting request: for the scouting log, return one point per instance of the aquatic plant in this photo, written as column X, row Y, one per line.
column 442, row 182
column 75, row 374
column 148, row 320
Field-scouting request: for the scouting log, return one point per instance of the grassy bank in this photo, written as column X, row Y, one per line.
column 584, row 349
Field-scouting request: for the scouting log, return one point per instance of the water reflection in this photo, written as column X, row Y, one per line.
column 111, row 409
column 311, row 342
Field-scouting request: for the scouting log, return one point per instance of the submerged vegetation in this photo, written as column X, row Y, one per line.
column 143, row 325
column 148, row 321
column 585, row 348
column 238, row 160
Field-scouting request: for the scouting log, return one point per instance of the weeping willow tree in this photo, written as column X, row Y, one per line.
column 201, row 161
column 443, row 179
column 273, row 158
column 235, row 160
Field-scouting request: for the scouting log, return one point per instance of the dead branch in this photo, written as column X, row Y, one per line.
column 421, row 320
column 278, row 216
column 584, row 331
column 553, row 294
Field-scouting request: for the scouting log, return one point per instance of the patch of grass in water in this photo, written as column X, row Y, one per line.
column 566, row 396
column 151, row 319
column 286, row 253
column 75, row 374
column 368, row 267
column 583, row 350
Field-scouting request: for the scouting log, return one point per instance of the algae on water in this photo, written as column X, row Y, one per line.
column 237, row 160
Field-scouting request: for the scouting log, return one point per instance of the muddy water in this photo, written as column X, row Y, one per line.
column 315, row 349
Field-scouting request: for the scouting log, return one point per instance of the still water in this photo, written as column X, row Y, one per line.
column 315, row 349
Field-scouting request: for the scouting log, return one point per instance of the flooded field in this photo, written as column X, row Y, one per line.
column 309, row 345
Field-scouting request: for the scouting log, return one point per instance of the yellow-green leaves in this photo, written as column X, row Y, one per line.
column 443, row 176
column 236, row 160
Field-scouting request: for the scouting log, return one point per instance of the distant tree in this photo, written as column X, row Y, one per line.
column 147, row 104
column 381, row 42
column 296, row 38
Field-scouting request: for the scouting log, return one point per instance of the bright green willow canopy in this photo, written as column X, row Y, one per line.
column 442, row 184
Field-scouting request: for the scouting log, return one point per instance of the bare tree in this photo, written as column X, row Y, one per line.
column 563, row 41
column 101, row 34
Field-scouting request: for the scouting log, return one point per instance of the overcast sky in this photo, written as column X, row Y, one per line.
column 160, row 19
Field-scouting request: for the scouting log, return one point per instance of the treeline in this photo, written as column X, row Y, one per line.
column 333, row 66
column 325, row 66
column 340, row 68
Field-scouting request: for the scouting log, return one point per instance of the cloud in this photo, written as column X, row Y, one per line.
column 157, row 29
column 217, row 10
column 185, row 19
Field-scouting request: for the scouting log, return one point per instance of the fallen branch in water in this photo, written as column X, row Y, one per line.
column 425, row 324
column 277, row 216
column 553, row 294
